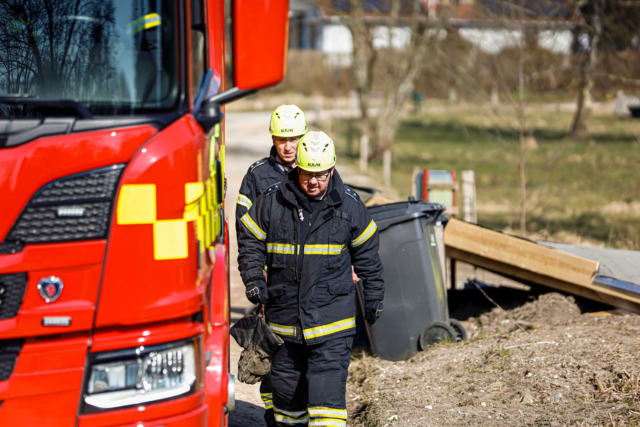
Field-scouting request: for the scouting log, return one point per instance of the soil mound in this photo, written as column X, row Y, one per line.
column 558, row 367
column 548, row 309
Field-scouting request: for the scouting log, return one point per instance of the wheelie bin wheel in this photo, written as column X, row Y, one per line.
column 461, row 331
column 435, row 332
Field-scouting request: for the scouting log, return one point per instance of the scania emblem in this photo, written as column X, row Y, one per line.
column 50, row 288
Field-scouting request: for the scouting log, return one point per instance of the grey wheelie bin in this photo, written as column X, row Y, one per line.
column 415, row 304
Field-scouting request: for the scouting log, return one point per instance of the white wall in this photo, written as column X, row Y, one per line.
column 493, row 41
column 337, row 43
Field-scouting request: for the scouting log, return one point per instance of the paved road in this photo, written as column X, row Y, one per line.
column 247, row 139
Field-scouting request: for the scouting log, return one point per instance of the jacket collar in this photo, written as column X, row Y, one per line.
column 334, row 195
column 273, row 159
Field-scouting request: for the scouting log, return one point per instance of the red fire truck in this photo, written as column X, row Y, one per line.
column 114, row 275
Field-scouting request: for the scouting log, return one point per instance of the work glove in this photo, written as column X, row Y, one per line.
column 259, row 343
column 256, row 292
column 254, row 364
column 373, row 311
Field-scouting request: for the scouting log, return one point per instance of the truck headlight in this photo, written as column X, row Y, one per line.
column 142, row 375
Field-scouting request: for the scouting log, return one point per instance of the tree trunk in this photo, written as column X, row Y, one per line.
column 523, row 147
column 579, row 128
column 401, row 69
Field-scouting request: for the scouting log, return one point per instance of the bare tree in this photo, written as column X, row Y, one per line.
column 591, row 12
column 397, row 69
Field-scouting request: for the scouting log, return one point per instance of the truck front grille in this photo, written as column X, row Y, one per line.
column 77, row 207
column 99, row 184
column 41, row 224
column 12, row 288
column 9, row 350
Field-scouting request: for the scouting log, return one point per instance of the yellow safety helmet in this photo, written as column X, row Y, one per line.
column 288, row 121
column 316, row 152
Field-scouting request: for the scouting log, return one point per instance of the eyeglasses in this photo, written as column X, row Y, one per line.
column 320, row 177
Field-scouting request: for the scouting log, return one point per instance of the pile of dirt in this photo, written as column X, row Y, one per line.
column 572, row 369
column 549, row 309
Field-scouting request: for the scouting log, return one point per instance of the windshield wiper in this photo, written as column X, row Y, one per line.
column 18, row 95
column 76, row 106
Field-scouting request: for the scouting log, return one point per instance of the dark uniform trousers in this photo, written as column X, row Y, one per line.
column 310, row 383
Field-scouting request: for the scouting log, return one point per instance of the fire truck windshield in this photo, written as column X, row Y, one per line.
column 110, row 56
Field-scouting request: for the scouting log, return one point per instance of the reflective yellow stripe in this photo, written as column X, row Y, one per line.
column 253, row 227
column 144, row 23
column 324, row 412
column 244, row 201
column 137, row 204
column 331, row 328
column 191, row 213
column 323, row 249
column 170, row 239
column 328, row 422
column 366, row 234
column 283, row 329
column 291, row 417
column 267, row 398
column 280, row 248
column 290, row 420
column 193, row 191
column 289, row 249
column 293, row 414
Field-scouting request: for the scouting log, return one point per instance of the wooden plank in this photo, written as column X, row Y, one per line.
column 378, row 200
column 452, row 210
column 607, row 296
column 442, row 186
column 520, row 253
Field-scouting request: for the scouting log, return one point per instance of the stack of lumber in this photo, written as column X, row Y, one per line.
column 604, row 275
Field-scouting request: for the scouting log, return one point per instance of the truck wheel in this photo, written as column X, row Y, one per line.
column 435, row 332
column 461, row 331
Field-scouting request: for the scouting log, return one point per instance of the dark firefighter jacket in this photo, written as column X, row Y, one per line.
column 319, row 304
column 260, row 176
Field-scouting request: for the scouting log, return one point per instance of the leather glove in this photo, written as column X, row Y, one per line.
column 254, row 364
column 373, row 311
column 256, row 292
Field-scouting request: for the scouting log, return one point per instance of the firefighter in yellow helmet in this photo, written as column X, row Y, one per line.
column 286, row 126
column 311, row 228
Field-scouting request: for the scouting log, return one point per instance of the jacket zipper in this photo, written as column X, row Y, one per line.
column 296, row 238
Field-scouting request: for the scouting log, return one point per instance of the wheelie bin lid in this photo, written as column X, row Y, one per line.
column 394, row 213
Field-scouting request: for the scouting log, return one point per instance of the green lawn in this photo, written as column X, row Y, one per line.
column 575, row 191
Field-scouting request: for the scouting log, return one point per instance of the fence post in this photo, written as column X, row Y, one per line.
column 328, row 125
column 364, row 153
column 386, row 167
column 350, row 136
column 469, row 197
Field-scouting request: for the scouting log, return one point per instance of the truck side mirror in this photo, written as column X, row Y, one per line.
column 260, row 41
column 206, row 112
column 209, row 115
